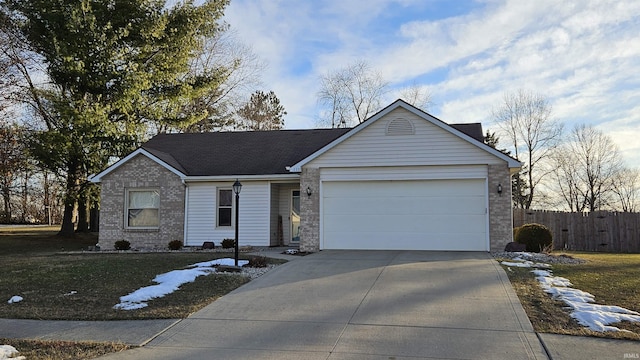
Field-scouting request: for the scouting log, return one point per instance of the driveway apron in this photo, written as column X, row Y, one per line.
column 360, row 305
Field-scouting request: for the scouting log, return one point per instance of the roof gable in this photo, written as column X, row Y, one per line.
column 470, row 134
column 164, row 162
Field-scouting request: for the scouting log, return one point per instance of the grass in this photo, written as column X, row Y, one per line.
column 62, row 350
column 614, row 279
column 45, row 269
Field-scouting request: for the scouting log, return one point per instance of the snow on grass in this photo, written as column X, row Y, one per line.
column 525, row 263
column 170, row 282
column 9, row 352
column 594, row 316
column 15, row 299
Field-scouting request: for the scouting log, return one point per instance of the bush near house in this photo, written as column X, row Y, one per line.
column 175, row 245
column 536, row 237
column 228, row 243
column 122, row 245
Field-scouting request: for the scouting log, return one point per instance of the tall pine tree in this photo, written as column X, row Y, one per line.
column 111, row 68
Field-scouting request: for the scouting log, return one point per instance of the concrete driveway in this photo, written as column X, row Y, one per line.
column 360, row 305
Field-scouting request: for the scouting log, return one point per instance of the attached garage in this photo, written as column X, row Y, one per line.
column 440, row 214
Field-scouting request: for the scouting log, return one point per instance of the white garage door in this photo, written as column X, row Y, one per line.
column 405, row 215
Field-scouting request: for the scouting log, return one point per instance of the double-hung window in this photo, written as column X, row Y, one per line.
column 225, row 206
column 143, row 209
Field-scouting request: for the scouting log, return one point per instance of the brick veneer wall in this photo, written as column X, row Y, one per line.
column 500, row 208
column 310, row 210
column 141, row 172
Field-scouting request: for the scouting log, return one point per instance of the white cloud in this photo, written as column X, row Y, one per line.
column 582, row 55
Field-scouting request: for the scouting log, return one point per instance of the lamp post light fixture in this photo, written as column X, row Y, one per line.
column 237, row 186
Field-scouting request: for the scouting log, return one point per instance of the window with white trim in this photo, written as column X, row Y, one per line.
column 225, row 207
column 143, row 209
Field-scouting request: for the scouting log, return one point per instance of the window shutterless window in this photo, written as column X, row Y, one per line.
column 225, row 206
column 143, row 209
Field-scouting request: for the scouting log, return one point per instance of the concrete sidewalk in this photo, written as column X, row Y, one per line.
column 132, row 332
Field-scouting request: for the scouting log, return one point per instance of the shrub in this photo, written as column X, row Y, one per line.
column 535, row 236
column 257, row 262
column 122, row 245
column 228, row 243
column 515, row 232
column 175, row 245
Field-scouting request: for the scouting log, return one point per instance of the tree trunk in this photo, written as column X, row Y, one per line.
column 67, row 229
column 83, row 213
column 6, row 215
column 94, row 217
column 25, row 197
column 70, row 199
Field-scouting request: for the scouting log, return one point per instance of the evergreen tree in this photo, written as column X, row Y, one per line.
column 112, row 68
column 262, row 112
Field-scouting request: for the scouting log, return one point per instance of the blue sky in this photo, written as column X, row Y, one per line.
column 583, row 55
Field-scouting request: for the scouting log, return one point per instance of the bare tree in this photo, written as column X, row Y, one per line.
column 242, row 74
column 351, row 94
column 587, row 167
column 417, row 96
column 626, row 186
column 525, row 120
column 12, row 159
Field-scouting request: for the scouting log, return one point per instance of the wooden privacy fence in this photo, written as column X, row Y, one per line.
column 597, row 231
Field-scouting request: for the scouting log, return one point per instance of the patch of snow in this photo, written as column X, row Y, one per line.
column 15, row 299
column 525, row 263
column 594, row 316
column 73, row 292
column 170, row 282
column 9, row 352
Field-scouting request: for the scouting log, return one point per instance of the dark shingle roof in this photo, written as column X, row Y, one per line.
column 251, row 152
column 472, row 129
column 239, row 153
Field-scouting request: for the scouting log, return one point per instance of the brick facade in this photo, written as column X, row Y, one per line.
column 141, row 172
column 500, row 208
column 310, row 210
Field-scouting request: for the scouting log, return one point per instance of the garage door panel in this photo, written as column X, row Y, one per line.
column 421, row 215
column 458, row 188
column 393, row 224
column 405, row 205
column 407, row 241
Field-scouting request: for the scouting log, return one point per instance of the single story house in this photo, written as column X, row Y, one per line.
column 403, row 180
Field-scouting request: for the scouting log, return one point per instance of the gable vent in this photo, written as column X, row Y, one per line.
column 400, row 126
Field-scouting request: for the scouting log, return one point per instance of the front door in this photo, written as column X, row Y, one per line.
column 295, row 216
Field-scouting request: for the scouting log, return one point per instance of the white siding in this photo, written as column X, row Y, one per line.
column 430, row 145
column 254, row 214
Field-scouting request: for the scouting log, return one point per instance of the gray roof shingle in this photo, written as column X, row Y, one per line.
column 250, row 152
column 238, row 153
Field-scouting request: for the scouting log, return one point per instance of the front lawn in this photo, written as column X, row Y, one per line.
column 614, row 279
column 58, row 281
column 86, row 286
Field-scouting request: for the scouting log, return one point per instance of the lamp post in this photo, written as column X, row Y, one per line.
column 237, row 186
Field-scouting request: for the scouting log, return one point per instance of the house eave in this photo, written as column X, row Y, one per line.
column 267, row 177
